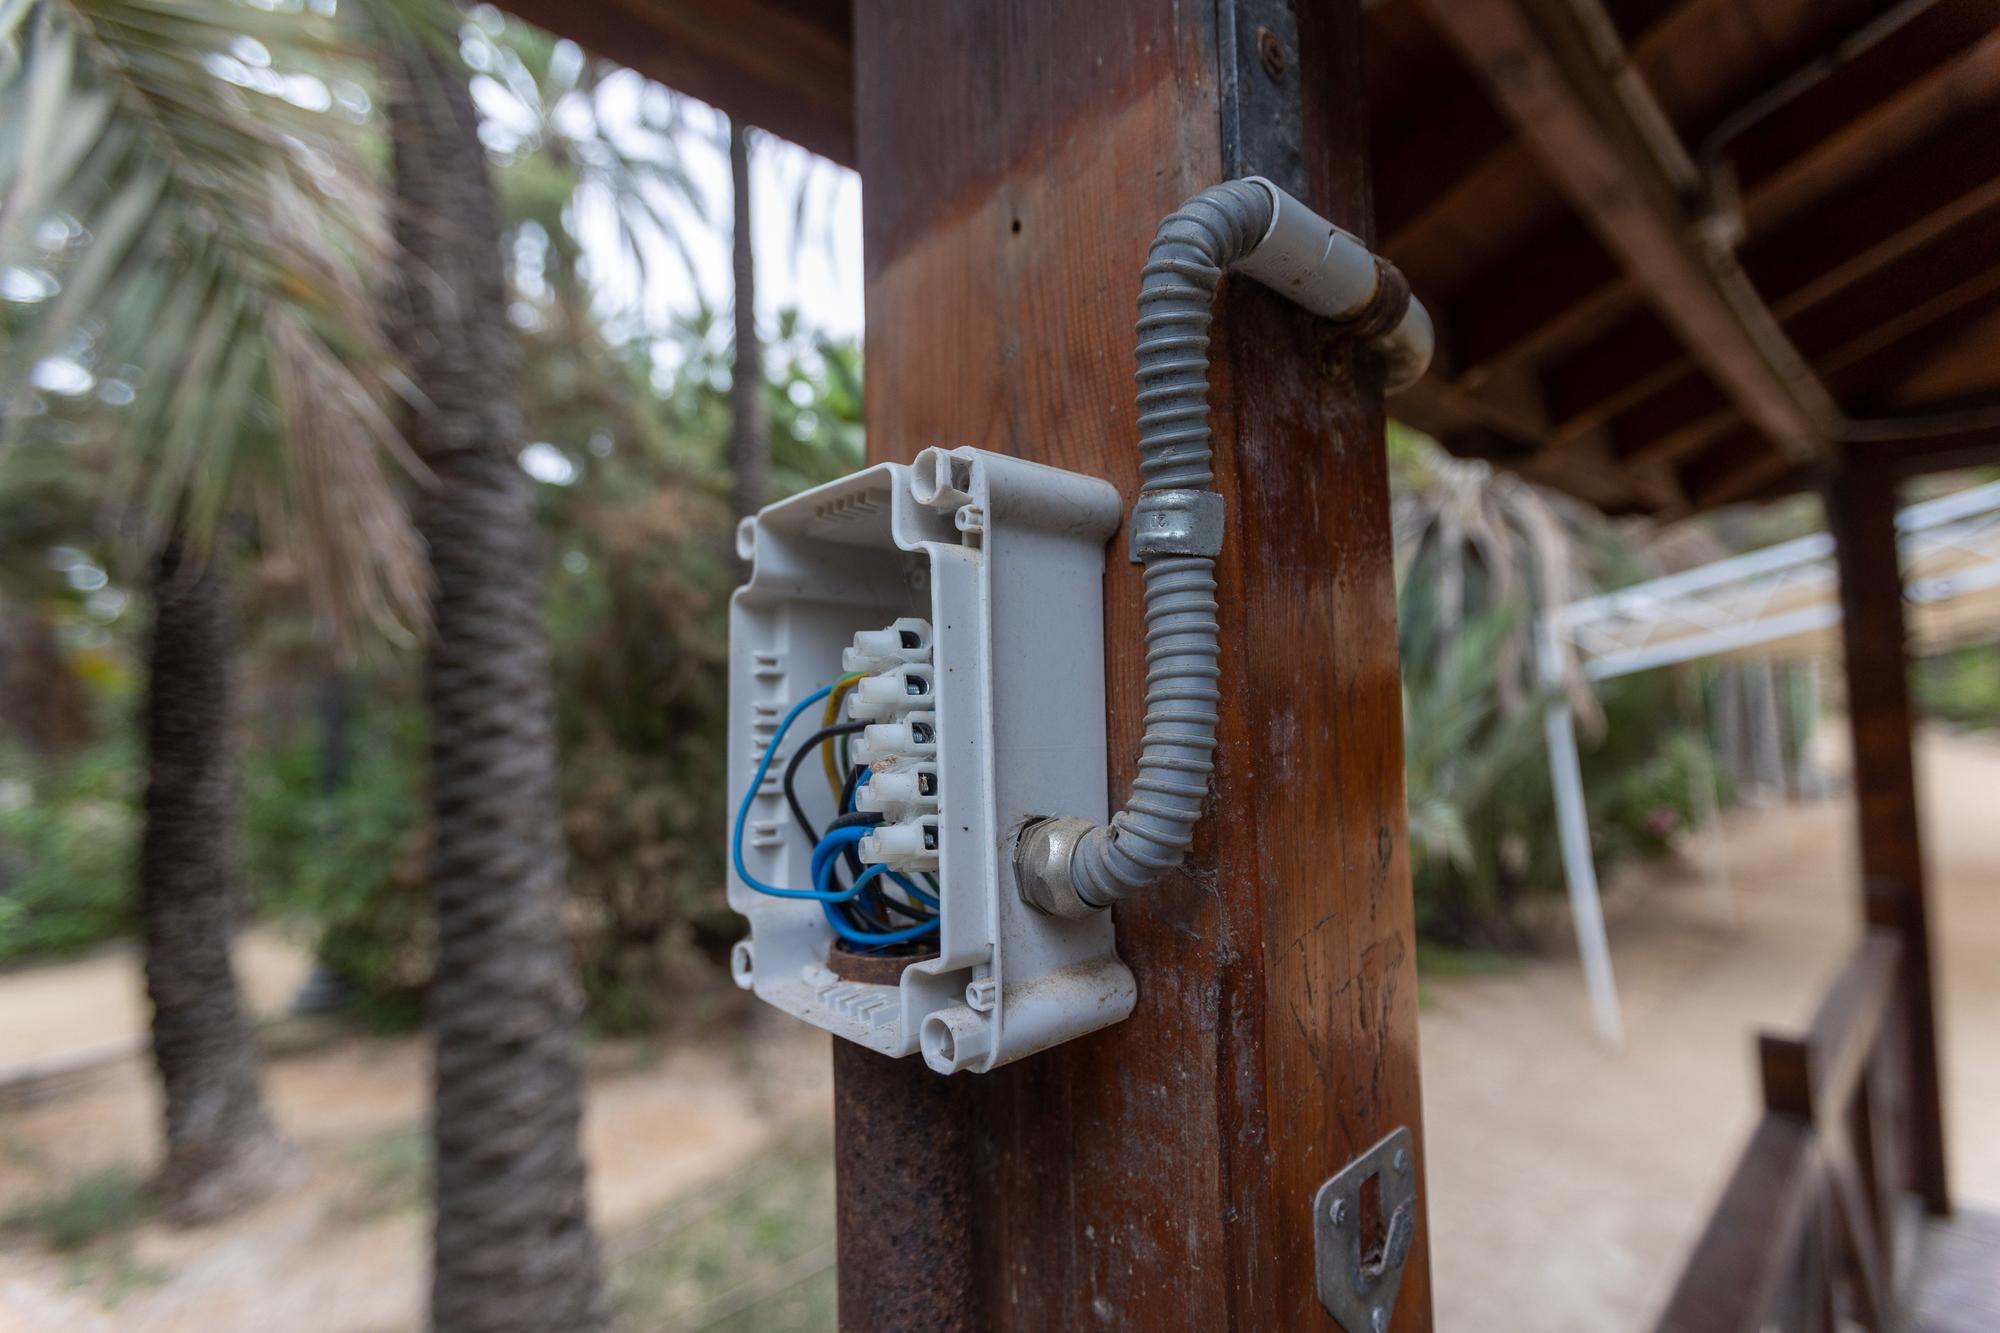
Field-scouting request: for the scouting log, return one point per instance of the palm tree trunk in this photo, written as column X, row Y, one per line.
column 749, row 427
column 513, row 1243
column 222, row 1152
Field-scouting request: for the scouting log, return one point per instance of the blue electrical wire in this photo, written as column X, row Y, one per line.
column 824, row 855
column 743, row 811
column 872, row 937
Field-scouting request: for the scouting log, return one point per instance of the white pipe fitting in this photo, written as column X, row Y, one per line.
column 1333, row 274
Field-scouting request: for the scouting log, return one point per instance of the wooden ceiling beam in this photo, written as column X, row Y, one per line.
column 1455, row 134
column 1418, row 174
column 1892, row 303
column 1886, row 382
column 1737, row 465
column 1870, row 222
column 1851, row 94
column 1546, row 285
column 1554, row 79
column 786, row 66
column 1871, row 86
column 1944, row 453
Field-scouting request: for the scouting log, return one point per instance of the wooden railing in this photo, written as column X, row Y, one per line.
column 1814, row 1229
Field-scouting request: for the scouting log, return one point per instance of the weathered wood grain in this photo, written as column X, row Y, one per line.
column 1018, row 156
column 1861, row 509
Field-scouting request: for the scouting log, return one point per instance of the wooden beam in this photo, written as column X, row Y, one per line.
column 1734, row 464
column 1932, row 63
column 1854, row 94
column 1869, row 223
column 1454, row 135
column 786, row 66
column 1605, row 157
column 1457, row 133
column 1941, row 453
column 1748, row 1253
column 1160, row 1174
column 1861, row 497
column 1890, row 305
column 1518, row 310
column 1533, row 295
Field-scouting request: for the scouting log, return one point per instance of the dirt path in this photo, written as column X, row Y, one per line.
column 345, row 1250
column 98, row 1003
column 1567, row 1182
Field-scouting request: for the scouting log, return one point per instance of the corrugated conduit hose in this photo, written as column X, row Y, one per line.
column 1150, row 836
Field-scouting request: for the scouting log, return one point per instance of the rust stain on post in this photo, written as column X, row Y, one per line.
column 903, row 1163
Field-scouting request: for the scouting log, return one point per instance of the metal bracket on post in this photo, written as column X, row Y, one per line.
column 1262, row 124
column 1359, row 1288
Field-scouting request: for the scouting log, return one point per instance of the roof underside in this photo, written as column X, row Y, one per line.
column 1679, row 251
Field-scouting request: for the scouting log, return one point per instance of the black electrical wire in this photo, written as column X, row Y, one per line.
column 865, row 915
column 878, row 903
column 811, row 743
column 854, row 776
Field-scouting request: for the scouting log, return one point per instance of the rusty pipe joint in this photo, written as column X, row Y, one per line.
column 1331, row 272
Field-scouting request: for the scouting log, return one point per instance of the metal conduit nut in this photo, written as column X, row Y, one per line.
column 1041, row 867
column 1178, row 522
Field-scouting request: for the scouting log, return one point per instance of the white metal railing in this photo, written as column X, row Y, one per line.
column 1950, row 548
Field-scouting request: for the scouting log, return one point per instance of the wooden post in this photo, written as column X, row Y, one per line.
column 1018, row 156
column 1861, row 509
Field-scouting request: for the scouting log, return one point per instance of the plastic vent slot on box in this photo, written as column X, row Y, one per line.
column 966, row 590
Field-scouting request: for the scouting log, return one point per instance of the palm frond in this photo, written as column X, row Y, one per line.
column 583, row 143
column 183, row 176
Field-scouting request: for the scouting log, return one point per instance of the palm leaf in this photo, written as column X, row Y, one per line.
column 232, row 243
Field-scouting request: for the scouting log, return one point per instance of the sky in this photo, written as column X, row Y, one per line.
column 815, row 267
column 806, row 210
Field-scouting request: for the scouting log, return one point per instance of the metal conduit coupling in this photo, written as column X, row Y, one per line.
column 1067, row 866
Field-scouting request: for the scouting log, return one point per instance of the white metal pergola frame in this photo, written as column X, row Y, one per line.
column 1780, row 603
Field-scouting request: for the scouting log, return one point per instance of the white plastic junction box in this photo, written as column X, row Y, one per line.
column 1001, row 563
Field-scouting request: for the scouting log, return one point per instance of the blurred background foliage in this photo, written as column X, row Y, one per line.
column 1479, row 553
column 627, row 423
column 627, row 428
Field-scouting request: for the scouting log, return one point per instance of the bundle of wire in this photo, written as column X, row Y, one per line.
column 857, row 898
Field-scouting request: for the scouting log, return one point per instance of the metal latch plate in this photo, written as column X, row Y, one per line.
column 1360, row 1289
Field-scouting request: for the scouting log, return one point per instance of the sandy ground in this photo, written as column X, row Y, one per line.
column 344, row 1251
column 1568, row 1182
column 97, row 1004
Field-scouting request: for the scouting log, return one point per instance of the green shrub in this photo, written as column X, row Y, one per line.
column 346, row 867
column 68, row 838
column 1477, row 552
column 1962, row 686
column 99, row 1205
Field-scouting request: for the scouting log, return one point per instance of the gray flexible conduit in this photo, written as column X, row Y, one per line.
column 1150, row 836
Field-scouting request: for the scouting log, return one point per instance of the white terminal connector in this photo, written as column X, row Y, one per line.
column 898, row 747
column 895, row 788
column 908, row 640
column 910, row 844
column 915, row 737
column 891, row 694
